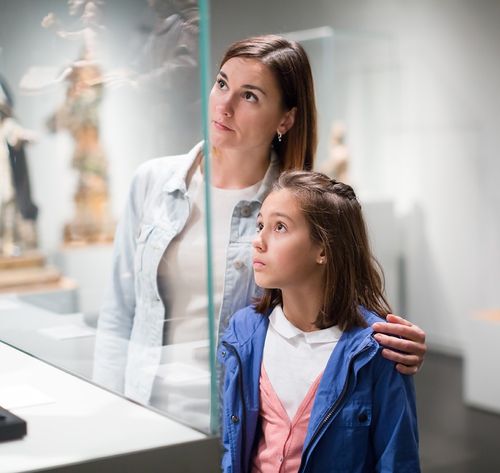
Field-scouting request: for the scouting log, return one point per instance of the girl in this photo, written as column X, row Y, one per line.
column 262, row 121
column 306, row 388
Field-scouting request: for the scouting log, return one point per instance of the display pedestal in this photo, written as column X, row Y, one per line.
column 29, row 278
column 90, row 266
column 482, row 352
column 20, row 272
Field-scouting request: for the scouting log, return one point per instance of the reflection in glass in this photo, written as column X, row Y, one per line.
column 153, row 340
column 123, row 98
column 165, row 75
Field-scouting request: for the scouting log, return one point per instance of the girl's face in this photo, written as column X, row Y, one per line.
column 246, row 107
column 284, row 256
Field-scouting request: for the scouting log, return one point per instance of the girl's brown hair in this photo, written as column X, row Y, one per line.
column 289, row 63
column 353, row 277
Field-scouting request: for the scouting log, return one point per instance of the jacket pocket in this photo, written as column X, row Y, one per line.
column 354, row 426
column 355, row 416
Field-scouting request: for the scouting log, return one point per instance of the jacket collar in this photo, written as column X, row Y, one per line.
column 178, row 182
column 287, row 330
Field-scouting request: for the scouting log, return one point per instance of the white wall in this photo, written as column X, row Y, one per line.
column 442, row 167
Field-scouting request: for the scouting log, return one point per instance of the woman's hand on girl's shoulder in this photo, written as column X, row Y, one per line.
column 403, row 342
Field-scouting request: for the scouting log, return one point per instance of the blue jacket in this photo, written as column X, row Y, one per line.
column 363, row 418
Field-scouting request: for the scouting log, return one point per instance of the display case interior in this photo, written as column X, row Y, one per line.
column 113, row 92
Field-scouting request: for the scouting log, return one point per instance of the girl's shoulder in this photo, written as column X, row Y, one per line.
column 244, row 324
column 369, row 316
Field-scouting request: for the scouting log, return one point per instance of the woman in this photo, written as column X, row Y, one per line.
column 263, row 121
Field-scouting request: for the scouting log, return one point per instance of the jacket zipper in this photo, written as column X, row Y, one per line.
column 242, row 399
column 335, row 406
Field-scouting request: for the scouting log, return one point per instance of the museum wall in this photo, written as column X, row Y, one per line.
column 440, row 166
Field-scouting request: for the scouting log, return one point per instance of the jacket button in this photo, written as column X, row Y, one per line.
column 223, row 354
column 235, row 419
column 363, row 417
column 238, row 264
column 246, row 211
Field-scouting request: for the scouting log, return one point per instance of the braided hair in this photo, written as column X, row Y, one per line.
column 353, row 277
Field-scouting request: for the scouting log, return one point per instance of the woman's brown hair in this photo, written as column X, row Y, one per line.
column 353, row 277
column 289, row 63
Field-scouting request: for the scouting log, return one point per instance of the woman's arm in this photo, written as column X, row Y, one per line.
column 403, row 342
column 117, row 311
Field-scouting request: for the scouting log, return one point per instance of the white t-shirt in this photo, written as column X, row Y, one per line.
column 293, row 359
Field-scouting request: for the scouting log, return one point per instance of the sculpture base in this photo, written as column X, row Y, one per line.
column 28, row 259
column 26, row 271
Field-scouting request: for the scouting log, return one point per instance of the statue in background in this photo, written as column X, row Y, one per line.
column 18, row 213
column 22, row 266
column 337, row 164
column 79, row 114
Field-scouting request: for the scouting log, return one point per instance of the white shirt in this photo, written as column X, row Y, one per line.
column 293, row 359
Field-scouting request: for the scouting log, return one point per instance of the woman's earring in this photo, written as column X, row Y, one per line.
column 279, row 136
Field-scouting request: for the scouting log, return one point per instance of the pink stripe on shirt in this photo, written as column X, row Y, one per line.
column 281, row 440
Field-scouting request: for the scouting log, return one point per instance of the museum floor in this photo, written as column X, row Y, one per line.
column 453, row 437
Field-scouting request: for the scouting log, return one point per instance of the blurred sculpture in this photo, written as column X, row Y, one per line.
column 165, row 77
column 79, row 114
column 337, row 164
column 18, row 213
column 22, row 266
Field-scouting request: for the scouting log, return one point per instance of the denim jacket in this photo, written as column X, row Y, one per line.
column 364, row 414
column 130, row 328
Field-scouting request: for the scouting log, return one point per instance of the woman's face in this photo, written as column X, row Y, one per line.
column 246, row 107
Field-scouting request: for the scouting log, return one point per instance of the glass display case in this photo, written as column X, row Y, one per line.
column 93, row 91
column 109, row 96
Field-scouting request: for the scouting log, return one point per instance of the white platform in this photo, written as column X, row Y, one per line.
column 482, row 354
column 72, row 425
